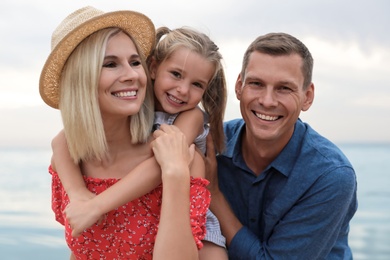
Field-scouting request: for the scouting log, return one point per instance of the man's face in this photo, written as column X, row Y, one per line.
column 271, row 96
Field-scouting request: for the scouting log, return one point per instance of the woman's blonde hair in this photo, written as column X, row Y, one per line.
column 79, row 105
column 214, row 98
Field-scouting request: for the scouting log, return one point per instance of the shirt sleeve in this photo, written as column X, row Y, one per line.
column 314, row 225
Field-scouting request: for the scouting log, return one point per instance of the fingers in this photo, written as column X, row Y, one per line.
column 163, row 129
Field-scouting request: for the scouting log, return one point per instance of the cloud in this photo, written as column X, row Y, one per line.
column 348, row 39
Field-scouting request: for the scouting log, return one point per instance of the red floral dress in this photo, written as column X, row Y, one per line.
column 129, row 231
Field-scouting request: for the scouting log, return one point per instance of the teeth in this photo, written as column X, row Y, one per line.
column 267, row 118
column 126, row 94
column 175, row 99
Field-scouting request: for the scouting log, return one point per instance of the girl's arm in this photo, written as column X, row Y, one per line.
column 68, row 172
column 190, row 123
column 174, row 239
column 83, row 214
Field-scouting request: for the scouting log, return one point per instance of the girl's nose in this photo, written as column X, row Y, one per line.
column 183, row 88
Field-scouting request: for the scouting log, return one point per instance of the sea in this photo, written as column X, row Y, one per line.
column 28, row 229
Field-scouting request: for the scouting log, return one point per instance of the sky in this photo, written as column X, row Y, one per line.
column 349, row 40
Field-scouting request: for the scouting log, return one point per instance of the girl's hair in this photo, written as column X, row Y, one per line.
column 278, row 44
column 79, row 105
column 214, row 98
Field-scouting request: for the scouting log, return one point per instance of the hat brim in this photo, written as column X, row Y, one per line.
column 139, row 26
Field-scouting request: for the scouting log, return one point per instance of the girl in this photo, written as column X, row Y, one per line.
column 185, row 69
column 96, row 76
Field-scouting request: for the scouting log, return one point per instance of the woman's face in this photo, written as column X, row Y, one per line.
column 122, row 84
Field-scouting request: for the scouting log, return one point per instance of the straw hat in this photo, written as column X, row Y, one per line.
column 79, row 25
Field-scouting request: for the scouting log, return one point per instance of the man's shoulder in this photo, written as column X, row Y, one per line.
column 232, row 127
column 323, row 149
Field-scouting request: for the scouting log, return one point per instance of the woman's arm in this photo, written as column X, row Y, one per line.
column 174, row 238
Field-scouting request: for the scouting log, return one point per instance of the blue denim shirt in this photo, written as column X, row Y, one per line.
column 299, row 207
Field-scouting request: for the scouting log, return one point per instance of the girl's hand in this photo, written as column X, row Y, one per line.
column 171, row 150
column 82, row 214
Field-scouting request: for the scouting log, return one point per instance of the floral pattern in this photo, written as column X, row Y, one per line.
column 129, row 231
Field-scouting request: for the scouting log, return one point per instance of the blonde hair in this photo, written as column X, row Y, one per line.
column 79, row 105
column 214, row 98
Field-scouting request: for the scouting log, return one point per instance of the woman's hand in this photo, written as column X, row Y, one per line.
column 171, row 150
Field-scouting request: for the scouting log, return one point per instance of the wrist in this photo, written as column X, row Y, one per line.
column 97, row 208
column 79, row 193
column 175, row 173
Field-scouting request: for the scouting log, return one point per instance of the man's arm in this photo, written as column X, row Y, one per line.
column 309, row 229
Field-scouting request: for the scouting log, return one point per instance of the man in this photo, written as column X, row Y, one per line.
column 285, row 192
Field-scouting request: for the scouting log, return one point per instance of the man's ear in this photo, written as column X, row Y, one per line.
column 309, row 97
column 238, row 87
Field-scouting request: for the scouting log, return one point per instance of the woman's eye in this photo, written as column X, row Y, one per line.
column 109, row 65
column 135, row 63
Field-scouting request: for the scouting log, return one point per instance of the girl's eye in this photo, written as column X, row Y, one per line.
column 176, row 74
column 198, row 85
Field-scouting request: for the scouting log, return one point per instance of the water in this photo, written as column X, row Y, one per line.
column 28, row 229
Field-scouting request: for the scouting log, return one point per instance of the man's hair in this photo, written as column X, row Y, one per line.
column 278, row 44
column 79, row 105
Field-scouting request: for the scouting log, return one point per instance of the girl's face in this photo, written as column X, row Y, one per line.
column 122, row 84
column 180, row 81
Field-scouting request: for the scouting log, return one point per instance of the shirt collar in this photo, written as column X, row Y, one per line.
column 284, row 162
column 286, row 159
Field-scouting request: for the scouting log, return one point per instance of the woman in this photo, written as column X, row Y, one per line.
column 96, row 76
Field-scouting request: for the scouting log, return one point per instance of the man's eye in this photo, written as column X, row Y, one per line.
column 285, row 89
column 254, row 83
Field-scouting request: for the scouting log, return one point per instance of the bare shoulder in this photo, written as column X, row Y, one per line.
column 192, row 115
column 190, row 122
